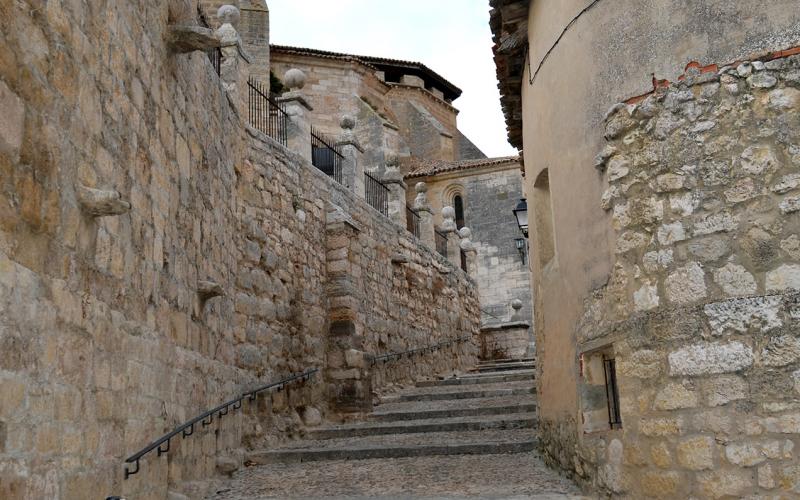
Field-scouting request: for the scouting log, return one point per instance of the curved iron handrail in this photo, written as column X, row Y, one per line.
column 394, row 356
column 162, row 444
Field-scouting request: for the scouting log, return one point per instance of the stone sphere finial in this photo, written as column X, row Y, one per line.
column 421, row 188
column 229, row 14
column 347, row 122
column 516, row 304
column 465, row 233
column 449, row 213
column 294, row 79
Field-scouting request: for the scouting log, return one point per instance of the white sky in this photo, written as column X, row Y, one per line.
column 451, row 37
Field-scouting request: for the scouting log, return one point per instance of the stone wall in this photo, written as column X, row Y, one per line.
column 111, row 330
column 490, row 193
column 701, row 309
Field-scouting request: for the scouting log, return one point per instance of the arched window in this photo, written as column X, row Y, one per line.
column 458, row 205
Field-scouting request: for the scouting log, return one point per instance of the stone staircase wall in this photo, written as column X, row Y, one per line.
column 110, row 330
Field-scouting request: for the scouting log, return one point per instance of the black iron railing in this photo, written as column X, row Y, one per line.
column 394, row 356
column 264, row 113
column 377, row 194
column 612, row 393
column 326, row 156
column 215, row 54
column 162, row 444
column 412, row 221
column 441, row 243
column 463, row 260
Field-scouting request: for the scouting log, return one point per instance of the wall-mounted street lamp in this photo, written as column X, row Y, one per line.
column 521, row 214
column 521, row 244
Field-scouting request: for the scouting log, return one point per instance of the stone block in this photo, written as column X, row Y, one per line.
column 760, row 314
column 661, row 484
column 686, row 284
column 675, row 396
column 785, row 277
column 696, row 453
column 724, row 483
column 719, row 391
column 708, row 358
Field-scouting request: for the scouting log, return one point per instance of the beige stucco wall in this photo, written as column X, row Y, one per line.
column 608, row 55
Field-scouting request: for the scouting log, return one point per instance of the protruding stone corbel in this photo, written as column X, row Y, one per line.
column 207, row 290
column 183, row 38
column 399, row 258
column 102, row 203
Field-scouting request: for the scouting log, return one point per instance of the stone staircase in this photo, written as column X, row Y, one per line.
column 491, row 410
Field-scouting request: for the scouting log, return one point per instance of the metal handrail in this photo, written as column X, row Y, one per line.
column 414, row 352
column 187, row 429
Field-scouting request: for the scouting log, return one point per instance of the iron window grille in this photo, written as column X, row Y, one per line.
column 612, row 393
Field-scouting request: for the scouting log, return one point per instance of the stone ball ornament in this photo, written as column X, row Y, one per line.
column 516, row 304
column 465, row 233
column 229, row 14
column 294, row 79
column 421, row 187
column 449, row 213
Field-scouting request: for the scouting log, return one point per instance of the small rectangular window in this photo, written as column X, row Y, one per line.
column 612, row 393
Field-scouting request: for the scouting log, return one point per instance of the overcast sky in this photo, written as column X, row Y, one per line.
column 451, row 37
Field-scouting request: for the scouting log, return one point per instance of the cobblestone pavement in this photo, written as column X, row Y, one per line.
column 512, row 476
column 457, row 444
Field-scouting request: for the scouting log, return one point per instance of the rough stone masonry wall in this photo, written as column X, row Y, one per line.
column 105, row 343
column 702, row 311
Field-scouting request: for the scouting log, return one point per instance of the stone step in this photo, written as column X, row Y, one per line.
column 505, row 367
column 471, row 375
column 411, row 414
column 467, row 405
column 492, row 379
column 487, row 393
column 506, row 360
column 443, row 424
column 485, row 442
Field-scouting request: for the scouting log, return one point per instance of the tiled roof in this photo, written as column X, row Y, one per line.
column 508, row 20
column 379, row 63
column 418, row 167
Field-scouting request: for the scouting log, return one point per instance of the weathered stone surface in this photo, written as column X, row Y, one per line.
column 790, row 204
column 686, row 284
column 785, row 277
column 721, row 483
column 12, row 121
column 741, row 315
column 720, row 391
column 735, row 280
column 707, row 358
column 675, row 396
column 787, row 183
column 781, row 351
column 696, row 453
column 641, row 364
column 646, row 298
